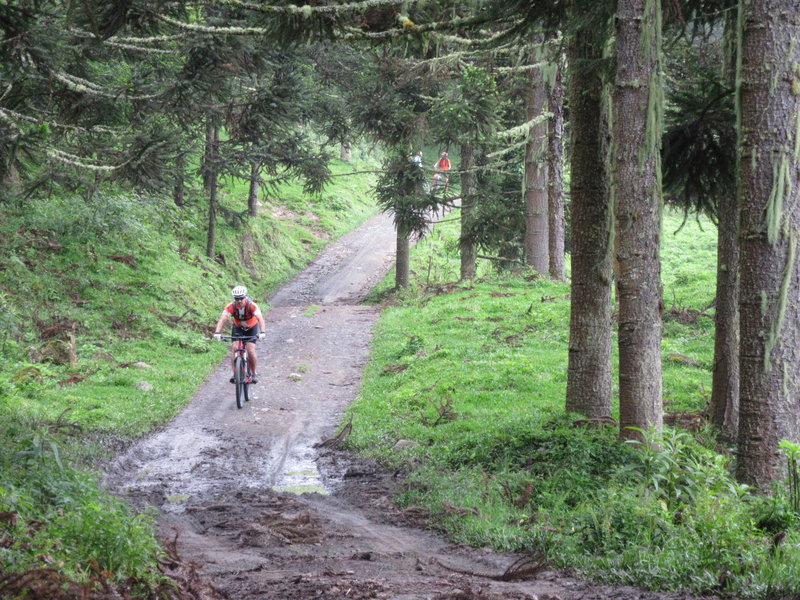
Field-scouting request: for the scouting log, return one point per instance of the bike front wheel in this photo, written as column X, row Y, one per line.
column 239, row 375
column 246, row 386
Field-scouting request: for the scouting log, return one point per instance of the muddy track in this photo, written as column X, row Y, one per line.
column 266, row 513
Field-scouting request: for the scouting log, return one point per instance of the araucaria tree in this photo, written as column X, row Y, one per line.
column 636, row 132
column 769, row 197
column 589, row 368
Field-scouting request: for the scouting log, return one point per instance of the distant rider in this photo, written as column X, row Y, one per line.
column 440, row 168
column 247, row 322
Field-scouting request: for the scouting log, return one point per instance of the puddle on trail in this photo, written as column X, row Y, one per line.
column 301, row 476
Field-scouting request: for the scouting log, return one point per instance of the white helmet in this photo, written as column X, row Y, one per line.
column 239, row 291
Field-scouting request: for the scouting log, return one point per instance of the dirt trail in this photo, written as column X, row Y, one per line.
column 267, row 514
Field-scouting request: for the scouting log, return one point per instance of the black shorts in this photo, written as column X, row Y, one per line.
column 242, row 332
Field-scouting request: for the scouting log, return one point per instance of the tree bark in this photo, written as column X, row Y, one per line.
column 179, row 191
column 536, row 213
column 636, row 133
column 402, row 267
column 555, row 172
column 589, row 363
column 252, row 195
column 345, row 151
column 466, row 242
column 210, row 178
column 724, row 403
column 769, row 198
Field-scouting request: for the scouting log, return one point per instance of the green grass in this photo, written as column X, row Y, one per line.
column 471, row 378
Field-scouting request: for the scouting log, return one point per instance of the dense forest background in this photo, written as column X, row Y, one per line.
column 138, row 128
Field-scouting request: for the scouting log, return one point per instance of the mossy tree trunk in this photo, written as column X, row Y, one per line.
column 211, row 167
column 636, row 135
column 466, row 242
column 589, row 363
column 536, row 198
column 555, row 171
column 768, row 87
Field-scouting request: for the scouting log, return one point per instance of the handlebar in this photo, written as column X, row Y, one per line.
column 248, row 338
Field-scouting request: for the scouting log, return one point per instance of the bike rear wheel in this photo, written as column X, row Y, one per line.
column 239, row 375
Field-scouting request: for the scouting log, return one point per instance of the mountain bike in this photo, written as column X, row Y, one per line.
column 242, row 377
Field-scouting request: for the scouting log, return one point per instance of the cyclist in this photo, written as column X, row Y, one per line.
column 247, row 322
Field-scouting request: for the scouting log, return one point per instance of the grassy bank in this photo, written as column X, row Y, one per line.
column 465, row 391
column 106, row 307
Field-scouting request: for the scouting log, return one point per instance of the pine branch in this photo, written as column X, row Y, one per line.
column 75, row 161
column 211, row 29
column 119, row 44
column 525, row 128
column 129, row 40
column 507, row 149
column 308, row 10
column 523, row 68
column 13, row 117
column 408, row 27
column 76, row 84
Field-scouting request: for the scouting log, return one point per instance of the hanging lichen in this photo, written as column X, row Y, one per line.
column 783, row 300
column 796, row 93
column 781, row 189
column 797, row 137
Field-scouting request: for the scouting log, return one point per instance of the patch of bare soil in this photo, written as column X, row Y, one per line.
column 265, row 511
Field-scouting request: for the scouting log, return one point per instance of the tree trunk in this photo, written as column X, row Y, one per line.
column 724, row 403
column 589, row 365
column 769, row 199
column 179, row 191
column 468, row 197
column 636, row 134
column 402, row 266
column 252, row 195
column 12, row 182
column 345, row 151
column 536, row 234
column 210, row 176
column 555, row 172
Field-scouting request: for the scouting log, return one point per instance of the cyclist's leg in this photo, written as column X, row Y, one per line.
column 234, row 333
column 251, row 349
column 251, row 356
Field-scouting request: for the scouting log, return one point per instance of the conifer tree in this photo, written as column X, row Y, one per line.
column 636, row 134
column 768, row 94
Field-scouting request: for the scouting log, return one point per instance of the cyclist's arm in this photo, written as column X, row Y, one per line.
column 261, row 323
column 222, row 320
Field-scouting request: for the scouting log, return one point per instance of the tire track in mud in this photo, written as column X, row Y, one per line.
column 265, row 513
